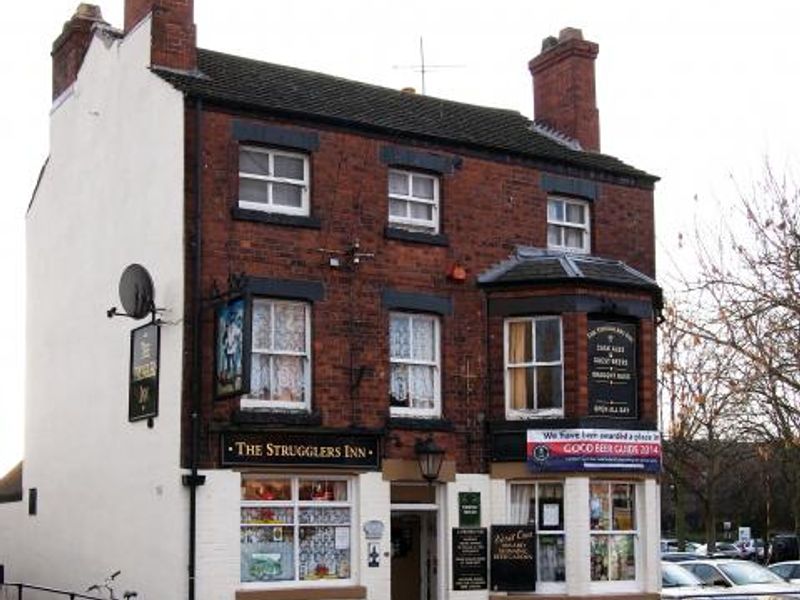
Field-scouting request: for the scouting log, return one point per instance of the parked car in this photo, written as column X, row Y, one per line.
column 676, row 557
column 721, row 550
column 783, row 547
column 741, row 576
column 789, row 570
column 677, row 582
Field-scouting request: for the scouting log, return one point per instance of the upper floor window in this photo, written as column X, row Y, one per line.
column 415, row 370
column 273, row 180
column 280, row 373
column 414, row 201
column 534, row 366
column 568, row 224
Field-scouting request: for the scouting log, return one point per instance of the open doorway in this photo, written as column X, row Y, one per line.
column 415, row 542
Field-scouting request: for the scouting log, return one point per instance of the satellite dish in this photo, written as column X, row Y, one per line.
column 136, row 291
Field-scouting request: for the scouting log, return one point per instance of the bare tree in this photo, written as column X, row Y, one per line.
column 745, row 303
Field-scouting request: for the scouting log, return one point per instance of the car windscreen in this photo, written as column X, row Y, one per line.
column 744, row 573
column 673, row 575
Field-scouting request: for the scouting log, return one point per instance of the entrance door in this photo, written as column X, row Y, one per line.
column 413, row 555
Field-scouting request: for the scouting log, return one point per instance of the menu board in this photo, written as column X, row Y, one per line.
column 611, row 350
column 513, row 558
column 469, row 558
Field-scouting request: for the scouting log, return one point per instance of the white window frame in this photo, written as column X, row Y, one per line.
column 544, row 587
column 411, row 411
column 584, row 228
column 305, row 405
column 627, row 585
column 409, row 222
column 295, row 503
column 516, row 413
column 269, row 206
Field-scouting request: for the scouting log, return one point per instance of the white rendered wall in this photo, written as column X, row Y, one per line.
column 110, row 493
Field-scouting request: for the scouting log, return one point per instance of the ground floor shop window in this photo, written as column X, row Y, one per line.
column 612, row 518
column 295, row 528
column 542, row 505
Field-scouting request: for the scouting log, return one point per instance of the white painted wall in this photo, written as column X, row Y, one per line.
column 110, row 493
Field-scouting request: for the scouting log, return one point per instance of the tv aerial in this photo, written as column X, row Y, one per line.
column 136, row 294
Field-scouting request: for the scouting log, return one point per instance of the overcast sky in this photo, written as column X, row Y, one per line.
column 692, row 91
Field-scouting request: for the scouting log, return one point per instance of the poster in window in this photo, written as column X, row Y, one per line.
column 143, row 377
column 231, row 373
column 612, row 369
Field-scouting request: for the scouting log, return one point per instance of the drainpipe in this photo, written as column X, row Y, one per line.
column 194, row 480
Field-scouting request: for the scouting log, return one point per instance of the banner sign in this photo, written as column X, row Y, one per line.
column 586, row 450
column 318, row 449
column 611, row 351
column 143, row 376
column 470, row 559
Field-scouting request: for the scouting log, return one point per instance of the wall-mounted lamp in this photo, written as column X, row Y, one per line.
column 430, row 458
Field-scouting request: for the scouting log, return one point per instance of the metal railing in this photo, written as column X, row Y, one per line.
column 20, row 587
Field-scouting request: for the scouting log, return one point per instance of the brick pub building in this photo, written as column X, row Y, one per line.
column 407, row 345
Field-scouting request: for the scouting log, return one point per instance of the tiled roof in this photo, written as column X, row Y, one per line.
column 295, row 92
column 533, row 265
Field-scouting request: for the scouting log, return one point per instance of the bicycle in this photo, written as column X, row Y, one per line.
column 109, row 589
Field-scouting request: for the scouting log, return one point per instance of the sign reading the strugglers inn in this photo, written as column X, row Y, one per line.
column 611, row 350
column 320, row 449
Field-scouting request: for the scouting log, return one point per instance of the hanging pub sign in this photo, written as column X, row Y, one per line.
column 301, row 449
column 470, row 554
column 611, row 351
column 592, row 450
column 231, row 361
column 513, row 565
column 143, row 377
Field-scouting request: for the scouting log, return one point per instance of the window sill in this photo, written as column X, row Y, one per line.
column 252, row 416
column 419, row 423
column 245, row 214
column 417, row 237
column 354, row 592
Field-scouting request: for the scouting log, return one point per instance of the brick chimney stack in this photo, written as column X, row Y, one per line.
column 173, row 43
column 563, row 87
column 70, row 47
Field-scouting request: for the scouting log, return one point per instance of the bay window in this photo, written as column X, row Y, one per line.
column 534, row 379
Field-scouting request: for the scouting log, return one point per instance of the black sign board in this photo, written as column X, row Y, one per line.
column 317, row 449
column 469, row 509
column 469, row 559
column 143, row 380
column 612, row 369
column 513, row 558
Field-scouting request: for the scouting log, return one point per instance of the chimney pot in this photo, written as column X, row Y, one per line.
column 570, row 33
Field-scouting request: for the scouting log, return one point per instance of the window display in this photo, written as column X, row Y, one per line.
column 613, row 531
column 295, row 529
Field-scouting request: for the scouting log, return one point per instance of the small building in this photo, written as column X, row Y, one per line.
column 385, row 345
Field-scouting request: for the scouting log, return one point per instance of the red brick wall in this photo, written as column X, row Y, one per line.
column 487, row 208
column 70, row 47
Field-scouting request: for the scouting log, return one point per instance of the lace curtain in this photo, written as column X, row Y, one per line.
column 280, row 356
column 412, row 341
